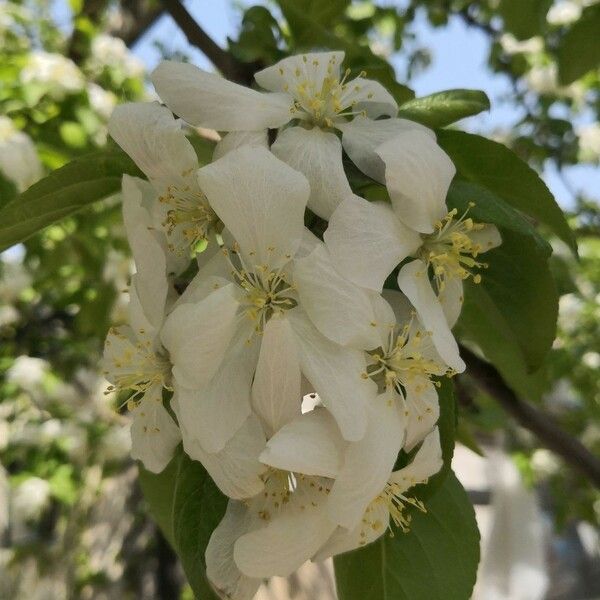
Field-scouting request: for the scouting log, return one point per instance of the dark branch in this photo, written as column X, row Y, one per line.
column 136, row 17
column 542, row 425
column 230, row 67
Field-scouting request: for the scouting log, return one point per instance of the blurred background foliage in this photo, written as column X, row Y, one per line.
column 72, row 522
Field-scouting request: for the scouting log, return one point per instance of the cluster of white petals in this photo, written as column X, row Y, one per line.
column 238, row 311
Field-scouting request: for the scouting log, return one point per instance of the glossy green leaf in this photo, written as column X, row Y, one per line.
column 8, row 191
column 63, row 192
column 436, row 560
column 486, row 207
column 502, row 172
column 188, row 506
column 519, row 283
column 579, row 50
column 308, row 19
column 443, row 108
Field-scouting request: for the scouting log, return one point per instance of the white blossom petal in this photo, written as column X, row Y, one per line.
column 417, row 175
column 413, row 281
column 198, row 335
column 370, row 96
column 207, row 100
column 363, row 135
column 367, row 241
column 309, row 68
column 335, row 373
column 236, row 139
column 310, row 445
column 487, row 237
column 318, row 155
column 422, row 409
column 261, row 201
column 276, row 396
column 426, row 462
column 154, row 434
column 221, row 569
column 153, row 138
column 368, row 463
column 236, row 469
column 451, row 298
column 322, row 291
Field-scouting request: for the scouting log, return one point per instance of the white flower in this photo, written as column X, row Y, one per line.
column 274, row 269
column 27, row 372
column 543, row 79
column 60, row 73
column 112, row 52
column 19, row 160
column 134, row 359
column 367, row 240
column 275, row 532
column 511, row 45
column 101, row 100
column 29, row 499
column 173, row 203
column 564, row 12
column 589, row 142
column 308, row 89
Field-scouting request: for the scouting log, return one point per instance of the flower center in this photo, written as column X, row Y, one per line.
column 135, row 366
column 396, row 501
column 450, row 250
column 190, row 216
column 322, row 105
column 402, row 359
column 267, row 291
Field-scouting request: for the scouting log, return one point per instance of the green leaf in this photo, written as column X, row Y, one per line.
column 519, row 284
column 498, row 169
column 579, row 50
column 63, row 192
column 436, row 560
column 309, row 19
column 8, row 190
column 524, row 18
column 188, row 506
column 443, row 108
column 482, row 323
column 489, row 208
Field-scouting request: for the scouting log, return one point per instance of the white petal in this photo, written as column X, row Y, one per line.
column 311, row 445
column 197, row 336
column 221, row 569
column 261, row 201
column 375, row 523
column 281, row 547
column 417, row 175
column 422, row 408
column 311, row 68
column 367, row 241
column 368, row 463
column 322, row 291
column 207, row 100
column 153, row 138
column 236, row 139
column 451, row 298
column 335, row 373
column 154, row 434
column 414, row 282
column 488, row 237
column 370, row 96
column 427, row 462
column 236, row 470
column 362, row 135
column 148, row 253
column 318, row 155
column 276, row 396
column 214, row 413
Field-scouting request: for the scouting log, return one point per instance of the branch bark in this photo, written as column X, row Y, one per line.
column 229, row 66
column 542, row 425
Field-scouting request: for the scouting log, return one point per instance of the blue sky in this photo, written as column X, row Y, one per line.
column 459, row 61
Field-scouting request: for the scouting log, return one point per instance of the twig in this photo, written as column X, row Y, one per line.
column 229, row 66
column 542, row 425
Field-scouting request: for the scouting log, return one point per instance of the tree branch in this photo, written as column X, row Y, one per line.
column 542, row 425
column 136, row 17
column 229, row 66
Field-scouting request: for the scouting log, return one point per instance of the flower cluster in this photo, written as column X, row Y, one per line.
column 271, row 353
